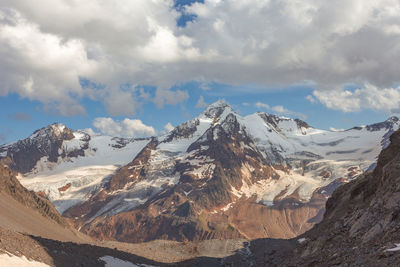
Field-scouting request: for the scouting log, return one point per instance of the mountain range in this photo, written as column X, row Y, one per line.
column 218, row 176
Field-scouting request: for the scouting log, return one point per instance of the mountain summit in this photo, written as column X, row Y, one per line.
column 219, row 175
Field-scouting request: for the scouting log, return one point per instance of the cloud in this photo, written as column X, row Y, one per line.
column 204, row 86
column 46, row 46
column 280, row 109
column 200, row 103
column 120, row 103
column 89, row 131
column 262, row 105
column 169, row 127
column 20, row 116
column 311, row 99
column 125, row 128
column 367, row 97
column 169, row 97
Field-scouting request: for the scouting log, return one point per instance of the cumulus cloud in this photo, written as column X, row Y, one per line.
column 200, row 103
column 46, row 46
column 124, row 128
column 20, row 116
column 262, row 105
column 367, row 97
column 280, row 110
column 169, row 97
column 89, row 131
column 169, row 127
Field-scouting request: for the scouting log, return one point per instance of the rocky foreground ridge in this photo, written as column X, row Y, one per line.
column 361, row 226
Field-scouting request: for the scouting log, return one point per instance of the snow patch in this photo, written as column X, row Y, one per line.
column 397, row 248
column 12, row 260
column 85, row 174
column 302, row 240
column 115, row 262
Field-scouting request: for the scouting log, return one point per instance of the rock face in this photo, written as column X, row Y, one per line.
column 361, row 225
column 219, row 175
column 46, row 142
column 11, row 186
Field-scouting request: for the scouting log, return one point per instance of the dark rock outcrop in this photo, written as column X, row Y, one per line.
column 23, row 155
column 362, row 220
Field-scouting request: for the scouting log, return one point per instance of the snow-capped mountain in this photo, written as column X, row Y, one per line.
column 220, row 175
column 66, row 165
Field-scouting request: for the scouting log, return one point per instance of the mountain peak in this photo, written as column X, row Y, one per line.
column 387, row 124
column 215, row 109
column 393, row 119
column 55, row 129
column 221, row 103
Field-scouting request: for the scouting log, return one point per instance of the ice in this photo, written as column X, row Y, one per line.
column 85, row 174
column 397, row 248
column 302, row 240
column 115, row 262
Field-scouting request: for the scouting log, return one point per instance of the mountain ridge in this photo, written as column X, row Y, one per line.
column 206, row 175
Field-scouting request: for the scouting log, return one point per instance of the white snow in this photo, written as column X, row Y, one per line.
column 85, row 174
column 301, row 240
column 397, row 248
column 12, row 260
column 332, row 151
column 75, row 143
column 115, row 262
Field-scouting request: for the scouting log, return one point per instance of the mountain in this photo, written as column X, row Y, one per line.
column 219, row 175
column 361, row 223
column 33, row 233
column 65, row 165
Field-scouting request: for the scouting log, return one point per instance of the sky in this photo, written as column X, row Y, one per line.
column 138, row 68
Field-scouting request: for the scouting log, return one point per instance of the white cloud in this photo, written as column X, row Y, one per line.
column 311, row 99
column 89, row 131
column 169, row 97
column 120, row 103
column 47, row 45
column 262, row 105
column 169, row 127
column 204, row 86
column 125, row 128
column 367, row 97
column 200, row 103
column 280, row 109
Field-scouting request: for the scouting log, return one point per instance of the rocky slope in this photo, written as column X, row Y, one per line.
column 361, row 226
column 11, row 187
column 219, row 175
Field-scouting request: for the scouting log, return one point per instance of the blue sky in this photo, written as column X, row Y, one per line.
column 151, row 62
